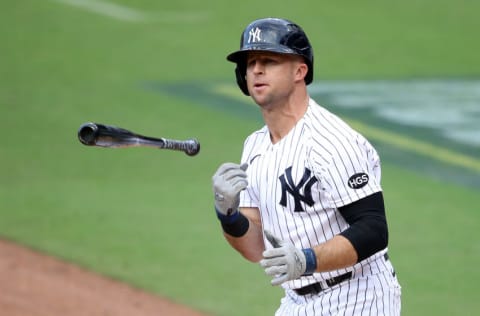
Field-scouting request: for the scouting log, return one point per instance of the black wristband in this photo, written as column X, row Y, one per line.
column 235, row 225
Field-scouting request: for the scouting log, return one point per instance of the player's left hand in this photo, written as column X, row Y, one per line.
column 228, row 181
column 284, row 262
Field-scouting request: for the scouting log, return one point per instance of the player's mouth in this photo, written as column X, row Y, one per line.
column 258, row 86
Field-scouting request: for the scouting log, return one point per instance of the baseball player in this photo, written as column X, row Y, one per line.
column 305, row 201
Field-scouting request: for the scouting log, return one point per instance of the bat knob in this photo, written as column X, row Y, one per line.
column 193, row 147
column 87, row 134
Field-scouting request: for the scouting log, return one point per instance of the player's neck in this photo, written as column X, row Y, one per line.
column 281, row 118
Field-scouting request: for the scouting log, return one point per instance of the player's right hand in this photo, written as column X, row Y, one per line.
column 284, row 262
column 229, row 180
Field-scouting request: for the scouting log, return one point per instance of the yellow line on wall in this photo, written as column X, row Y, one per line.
column 416, row 146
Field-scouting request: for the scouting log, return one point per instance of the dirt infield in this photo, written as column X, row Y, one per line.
column 34, row 284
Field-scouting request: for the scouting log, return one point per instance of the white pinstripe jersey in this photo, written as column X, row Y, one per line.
column 299, row 182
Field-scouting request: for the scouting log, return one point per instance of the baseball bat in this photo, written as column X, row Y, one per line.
column 94, row 134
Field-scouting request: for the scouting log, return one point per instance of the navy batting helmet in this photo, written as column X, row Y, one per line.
column 271, row 35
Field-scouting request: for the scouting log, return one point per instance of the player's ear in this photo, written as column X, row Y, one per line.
column 301, row 71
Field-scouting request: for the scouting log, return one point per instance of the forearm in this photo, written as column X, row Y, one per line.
column 243, row 231
column 337, row 253
column 250, row 245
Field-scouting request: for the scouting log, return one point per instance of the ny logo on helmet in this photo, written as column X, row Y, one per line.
column 288, row 185
column 254, row 35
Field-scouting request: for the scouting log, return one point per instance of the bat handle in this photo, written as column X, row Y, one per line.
column 190, row 146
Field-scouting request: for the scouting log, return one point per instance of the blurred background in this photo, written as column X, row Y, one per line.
column 405, row 74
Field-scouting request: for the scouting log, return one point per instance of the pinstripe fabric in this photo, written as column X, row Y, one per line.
column 299, row 182
column 374, row 295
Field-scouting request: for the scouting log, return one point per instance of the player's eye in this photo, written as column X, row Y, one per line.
column 251, row 62
column 261, row 61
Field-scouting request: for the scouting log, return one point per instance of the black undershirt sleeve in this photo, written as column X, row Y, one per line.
column 368, row 231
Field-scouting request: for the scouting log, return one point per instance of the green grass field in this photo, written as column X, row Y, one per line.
column 146, row 216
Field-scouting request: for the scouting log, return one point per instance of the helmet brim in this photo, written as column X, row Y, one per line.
column 240, row 55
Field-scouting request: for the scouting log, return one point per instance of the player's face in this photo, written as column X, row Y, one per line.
column 271, row 77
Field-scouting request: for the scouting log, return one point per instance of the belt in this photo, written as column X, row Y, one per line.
column 316, row 288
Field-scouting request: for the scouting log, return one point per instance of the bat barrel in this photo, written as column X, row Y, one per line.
column 94, row 134
column 88, row 133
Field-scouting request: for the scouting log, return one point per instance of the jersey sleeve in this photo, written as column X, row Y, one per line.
column 248, row 197
column 349, row 172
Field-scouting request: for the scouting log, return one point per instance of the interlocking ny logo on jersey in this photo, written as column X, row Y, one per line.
column 254, row 35
column 305, row 185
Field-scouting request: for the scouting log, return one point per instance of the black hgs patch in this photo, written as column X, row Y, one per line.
column 358, row 180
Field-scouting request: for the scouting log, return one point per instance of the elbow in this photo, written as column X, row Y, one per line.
column 368, row 236
column 377, row 232
column 368, row 231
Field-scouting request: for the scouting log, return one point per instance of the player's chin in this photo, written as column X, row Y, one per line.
column 260, row 97
column 261, row 101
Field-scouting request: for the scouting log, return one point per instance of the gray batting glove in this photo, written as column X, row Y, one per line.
column 285, row 262
column 229, row 180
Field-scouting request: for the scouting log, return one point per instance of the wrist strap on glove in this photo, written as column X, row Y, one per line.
column 235, row 225
column 310, row 261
